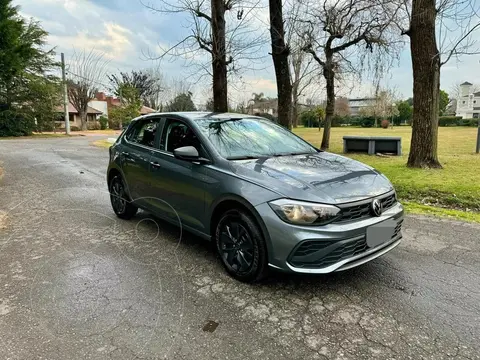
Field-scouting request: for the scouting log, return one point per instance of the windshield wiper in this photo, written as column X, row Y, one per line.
column 292, row 153
column 242, row 157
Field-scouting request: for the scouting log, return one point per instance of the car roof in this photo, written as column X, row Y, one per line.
column 196, row 115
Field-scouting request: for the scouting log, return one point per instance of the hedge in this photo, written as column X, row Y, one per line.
column 308, row 118
column 456, row 121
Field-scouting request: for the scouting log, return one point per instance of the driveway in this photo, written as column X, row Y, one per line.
column 78, row 283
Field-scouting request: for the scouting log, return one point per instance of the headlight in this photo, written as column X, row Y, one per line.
column 304, row 213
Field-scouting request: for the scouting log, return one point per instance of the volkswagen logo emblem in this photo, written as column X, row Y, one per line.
column 377, row 207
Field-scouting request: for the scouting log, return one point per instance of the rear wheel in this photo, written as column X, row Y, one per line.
column 241, row 246
column 121, row 205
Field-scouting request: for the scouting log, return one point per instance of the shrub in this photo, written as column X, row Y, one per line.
column 45, row 127
column 122, row 115
column 385, row 124
column 103, row 120
column 15, row 124
column 74, row 128
column 356, row 121
column 309, row 119
column 338, row 120
column 93, row 125
column 367, row 122
column 468, row 122
column 449, row 120
column 456, row 121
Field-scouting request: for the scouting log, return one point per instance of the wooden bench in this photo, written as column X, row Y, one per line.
column 372, row 144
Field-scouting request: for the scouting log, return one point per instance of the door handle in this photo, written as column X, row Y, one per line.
column 155, row 164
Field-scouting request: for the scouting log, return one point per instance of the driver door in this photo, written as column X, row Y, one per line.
column 178, row 186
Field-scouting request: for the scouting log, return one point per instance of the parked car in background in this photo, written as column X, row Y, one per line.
column 267, row 198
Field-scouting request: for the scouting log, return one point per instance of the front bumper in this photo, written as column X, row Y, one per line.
column 328, row 248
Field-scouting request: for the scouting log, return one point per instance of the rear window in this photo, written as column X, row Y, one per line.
column 143, row 132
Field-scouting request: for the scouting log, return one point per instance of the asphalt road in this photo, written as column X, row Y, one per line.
column 78, row 283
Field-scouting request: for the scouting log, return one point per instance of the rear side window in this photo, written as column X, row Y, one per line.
column 143, row 132
column 177, row 134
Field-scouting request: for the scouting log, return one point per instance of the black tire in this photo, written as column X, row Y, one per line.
column 241, row 246
column 121, row 204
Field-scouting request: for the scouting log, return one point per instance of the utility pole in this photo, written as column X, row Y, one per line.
column 478, row 137
column 65, row 97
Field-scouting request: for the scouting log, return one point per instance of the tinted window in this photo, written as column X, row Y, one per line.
column 241, row 138
column 176, row 135
column 143, row 132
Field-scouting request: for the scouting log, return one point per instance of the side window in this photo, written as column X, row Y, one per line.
column 143, row 132
column 177, row 134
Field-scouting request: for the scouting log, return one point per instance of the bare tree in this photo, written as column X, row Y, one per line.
column 439, row 30
column 156, row 99
column 303, row 69
column 280, row 53
column 86, row 71
column 344, row 30
column 228, row 46
column 384, row 106
column 342, row 107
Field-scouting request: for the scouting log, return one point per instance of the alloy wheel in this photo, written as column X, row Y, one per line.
column 117, row 195
column 236, row 246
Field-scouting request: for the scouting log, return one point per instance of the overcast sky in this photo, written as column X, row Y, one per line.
column 128, row 33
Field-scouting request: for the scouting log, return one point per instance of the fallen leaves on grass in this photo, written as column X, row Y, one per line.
column 102, row 143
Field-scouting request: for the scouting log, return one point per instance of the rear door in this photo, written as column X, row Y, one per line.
column 179, row 185
column 140, row 141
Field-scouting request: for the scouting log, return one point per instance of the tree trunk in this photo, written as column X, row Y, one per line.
column 426, row 85
column 83, row 120
column 280, row 54
column 297, row 67
column 219, row 61
column 295, row 109
column 329, row 76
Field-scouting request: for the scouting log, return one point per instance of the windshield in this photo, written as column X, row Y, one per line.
column 252, row 138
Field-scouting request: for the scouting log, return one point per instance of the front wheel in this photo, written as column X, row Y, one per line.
column 241, row 246
column 119, row 199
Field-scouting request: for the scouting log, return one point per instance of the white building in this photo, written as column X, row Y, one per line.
column 356, row 105
column 99, row 105
column 468, row 103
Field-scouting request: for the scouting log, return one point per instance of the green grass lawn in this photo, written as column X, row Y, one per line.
column 456, row 186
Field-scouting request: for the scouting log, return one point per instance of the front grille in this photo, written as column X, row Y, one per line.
column 320, row 254
column 398, row 229
column 342, row 252
column 388, row 202
column 311, row 246
column 361, row 211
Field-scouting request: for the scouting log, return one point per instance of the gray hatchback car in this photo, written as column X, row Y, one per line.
column 267, row 198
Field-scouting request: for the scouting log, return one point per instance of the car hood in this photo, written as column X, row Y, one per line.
column 320, row 177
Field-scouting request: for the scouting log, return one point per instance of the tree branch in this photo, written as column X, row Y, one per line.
column 201, row 14
column 204, row 44
column 308, row 49
column 453, row 51
column 349, row 43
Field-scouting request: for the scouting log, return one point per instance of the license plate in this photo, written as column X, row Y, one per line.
column 380, row 233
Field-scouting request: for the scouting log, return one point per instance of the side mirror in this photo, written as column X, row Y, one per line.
column 186, row 153
column 189, row 153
